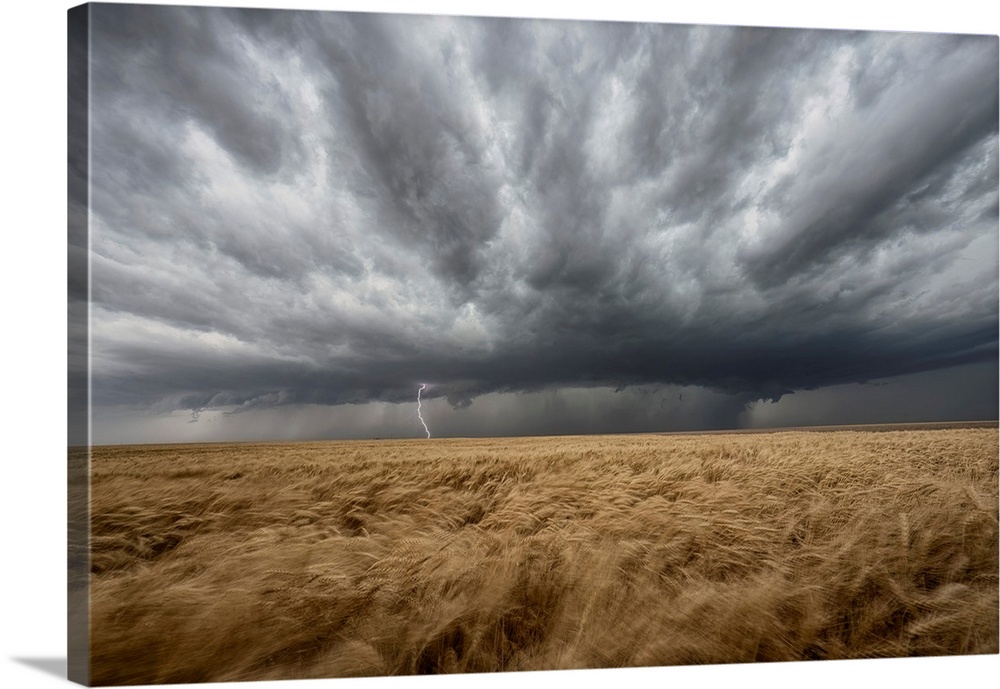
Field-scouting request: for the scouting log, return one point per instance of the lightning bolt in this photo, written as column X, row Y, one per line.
column 419, row 416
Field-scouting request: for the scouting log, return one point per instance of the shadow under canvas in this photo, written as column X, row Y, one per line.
column 50, row 666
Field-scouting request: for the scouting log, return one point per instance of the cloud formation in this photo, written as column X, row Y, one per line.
column 318, row 208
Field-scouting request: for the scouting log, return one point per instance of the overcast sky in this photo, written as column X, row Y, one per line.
column 298, row 218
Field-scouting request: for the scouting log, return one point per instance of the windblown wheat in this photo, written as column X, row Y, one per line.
column 277, row 561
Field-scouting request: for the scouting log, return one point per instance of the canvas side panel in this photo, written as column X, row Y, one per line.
column 78, row 284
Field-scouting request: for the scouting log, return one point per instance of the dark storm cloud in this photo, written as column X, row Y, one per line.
column 330, row 208
column 886, row 170
column 191, row 63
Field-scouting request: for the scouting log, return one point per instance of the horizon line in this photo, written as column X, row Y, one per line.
column 818, row 428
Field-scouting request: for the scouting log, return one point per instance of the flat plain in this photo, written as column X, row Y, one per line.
column 222, row 562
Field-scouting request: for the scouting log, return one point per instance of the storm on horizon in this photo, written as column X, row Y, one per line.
column 297, row 218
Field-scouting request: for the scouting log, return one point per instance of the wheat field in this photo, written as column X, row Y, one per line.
column 356, row 558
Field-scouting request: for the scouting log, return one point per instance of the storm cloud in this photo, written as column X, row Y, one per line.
column 298, row 210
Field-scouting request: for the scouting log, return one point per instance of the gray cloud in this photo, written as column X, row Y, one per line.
column 875, row 176
column 303, row 208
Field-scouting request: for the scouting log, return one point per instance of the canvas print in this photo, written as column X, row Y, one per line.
column 406, row 344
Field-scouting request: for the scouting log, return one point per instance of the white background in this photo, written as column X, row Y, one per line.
column 33, row 335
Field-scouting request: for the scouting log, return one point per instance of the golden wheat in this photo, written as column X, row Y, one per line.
column 278, row 561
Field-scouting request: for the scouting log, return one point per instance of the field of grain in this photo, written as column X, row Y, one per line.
column 277, row 561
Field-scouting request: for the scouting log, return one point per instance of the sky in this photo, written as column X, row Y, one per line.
column 299, row 218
